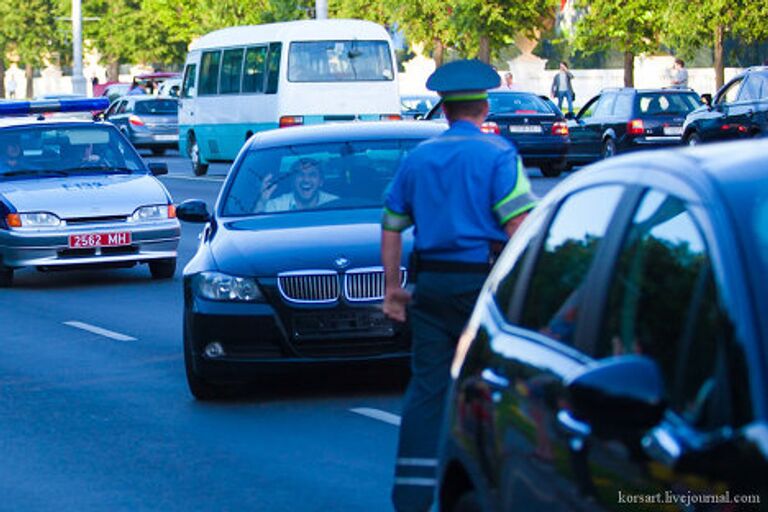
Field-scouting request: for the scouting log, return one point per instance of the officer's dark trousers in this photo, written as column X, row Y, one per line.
column 440, row 308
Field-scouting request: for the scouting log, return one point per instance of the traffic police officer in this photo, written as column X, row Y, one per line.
column 463, row 191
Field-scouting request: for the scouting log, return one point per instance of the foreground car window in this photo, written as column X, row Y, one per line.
column 41, row 151
column 315, row 176
column 660, row 104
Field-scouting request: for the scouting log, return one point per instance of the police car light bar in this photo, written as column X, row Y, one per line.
column 44, row 106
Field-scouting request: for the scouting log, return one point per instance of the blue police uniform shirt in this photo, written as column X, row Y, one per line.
column 448, row 186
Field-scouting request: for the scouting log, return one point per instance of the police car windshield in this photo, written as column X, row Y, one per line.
column 43, row 151
column 332, row 175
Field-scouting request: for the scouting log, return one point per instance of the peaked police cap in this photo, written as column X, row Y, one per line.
column 463, row 80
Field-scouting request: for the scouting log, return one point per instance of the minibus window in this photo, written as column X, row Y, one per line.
column 231, row 71
column 188, row 87
column 209, row 72
column 273, row 67
column 255, row 64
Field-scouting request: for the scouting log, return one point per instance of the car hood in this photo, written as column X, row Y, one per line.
column 266, row 245
column 85, row 196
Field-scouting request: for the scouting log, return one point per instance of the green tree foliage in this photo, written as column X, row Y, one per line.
column 631, row 26
column 691, row 24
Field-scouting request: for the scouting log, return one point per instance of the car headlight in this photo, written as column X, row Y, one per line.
column 32, row 220
column 154, row 212
column 218, row 286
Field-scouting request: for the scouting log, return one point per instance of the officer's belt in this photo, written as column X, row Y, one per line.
column 457, row 267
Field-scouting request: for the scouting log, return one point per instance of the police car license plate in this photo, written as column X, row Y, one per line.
column 99, row 240
column 167, row 137
column 673, row 130
column 525, row 128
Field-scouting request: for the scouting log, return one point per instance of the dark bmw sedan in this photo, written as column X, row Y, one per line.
column 289, row 268
column 617, row 358
column 532, row 123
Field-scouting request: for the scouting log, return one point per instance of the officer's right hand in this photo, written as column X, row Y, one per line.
column 395, row 302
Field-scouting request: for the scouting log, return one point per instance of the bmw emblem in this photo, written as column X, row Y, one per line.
column 341, row 262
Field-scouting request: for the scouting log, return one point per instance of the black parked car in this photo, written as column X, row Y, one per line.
column 738, row 110
column 289, row 268
column 533, row 123
column 626, row 119
column 619, row 350
column 148, row 122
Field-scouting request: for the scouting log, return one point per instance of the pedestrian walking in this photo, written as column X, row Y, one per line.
column 562, row 87
column 679, row 76
column 11, row 87
column 464, row 192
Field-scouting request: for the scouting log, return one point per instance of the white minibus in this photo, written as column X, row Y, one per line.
column 241, row 80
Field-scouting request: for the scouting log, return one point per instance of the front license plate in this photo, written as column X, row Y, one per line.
column 673, row 130
column 167, row 137
column 525, row 129
column 99, row 240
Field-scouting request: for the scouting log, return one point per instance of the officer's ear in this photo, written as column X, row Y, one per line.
column 486, row 109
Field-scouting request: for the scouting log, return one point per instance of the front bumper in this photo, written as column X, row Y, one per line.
column 49, row 248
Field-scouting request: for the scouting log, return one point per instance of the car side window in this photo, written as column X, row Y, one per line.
column 589, row 109
column 122, row 108
column 751, row 89
column 729, row 95
column 188, row 88
column 663, row 302
column 112, row 109
column 605, row 106
column 623, row 106
column 554, row 294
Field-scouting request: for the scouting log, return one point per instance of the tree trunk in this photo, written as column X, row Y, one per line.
column 113, row 71
column 629, row 69
column 30, row 76
column 484, row 51
column 2, row 74
column 719, row 63
column 438, row 53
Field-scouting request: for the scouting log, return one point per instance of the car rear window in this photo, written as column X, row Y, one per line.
column 518, row 103
column 170, row 107
column 661, row 104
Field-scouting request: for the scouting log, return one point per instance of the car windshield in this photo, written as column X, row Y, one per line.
column 666, row 104
column 339, row 61
column 422, row 104
column 518, row 103
column 157, row 107
column 332, row 175
column 39, row 151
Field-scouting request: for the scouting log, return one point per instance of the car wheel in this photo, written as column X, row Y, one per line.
column 468, row 502
column 198, row 167
column 551, row 171
column 162, row 269
column 609, row 148
column 693, row 140
column 6, row 277
column 158, row 151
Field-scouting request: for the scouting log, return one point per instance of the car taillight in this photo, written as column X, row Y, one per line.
column 635, row 127
column 287, row 121
column 391, row 117
column 559, row 128
column 490, row 127
column 135, row 120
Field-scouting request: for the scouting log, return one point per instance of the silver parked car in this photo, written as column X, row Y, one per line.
column 76, row 194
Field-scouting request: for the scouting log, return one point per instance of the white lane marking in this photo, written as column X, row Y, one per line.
column 193, row 178
column 98, row 330
column 378, row 414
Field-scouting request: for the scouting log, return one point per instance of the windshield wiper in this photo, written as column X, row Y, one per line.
column 34, row 172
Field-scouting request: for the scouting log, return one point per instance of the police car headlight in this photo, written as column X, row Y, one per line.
column 223, row 287
column 150, row 213
column 33, row 220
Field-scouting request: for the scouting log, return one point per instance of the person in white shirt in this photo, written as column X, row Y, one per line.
column 679, row 78
column 306, row 193
column 11, row 87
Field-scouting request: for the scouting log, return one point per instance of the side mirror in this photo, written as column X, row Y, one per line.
column 193, row 210
column 99, row 116
column 619, row 394
column 158, row 168
column 706, row 98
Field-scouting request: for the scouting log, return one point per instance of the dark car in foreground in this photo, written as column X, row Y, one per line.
column 739, row 110
column 148, row 122
column 617, row 357
column 626, row 119
column 288, row 271
column 533, row 123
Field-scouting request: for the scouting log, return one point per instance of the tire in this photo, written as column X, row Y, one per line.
column 468, row 502
column 158, row 151
column 609, row 148
column 551, row 171
column 6, row 277
column 162, row 269
column 198, row 168
column 693, row 139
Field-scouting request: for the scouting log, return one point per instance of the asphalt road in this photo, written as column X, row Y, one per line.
column 95, row 414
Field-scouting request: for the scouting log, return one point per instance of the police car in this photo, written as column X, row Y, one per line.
column 75, row 194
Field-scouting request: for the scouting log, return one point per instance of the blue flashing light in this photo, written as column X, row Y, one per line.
column 23, row 108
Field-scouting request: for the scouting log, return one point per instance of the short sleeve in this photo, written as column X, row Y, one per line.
column 397, row 204
column 512, row 194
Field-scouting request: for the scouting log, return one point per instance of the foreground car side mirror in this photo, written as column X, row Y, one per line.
column 193, row 210
column 158, row 168
column 617, row 395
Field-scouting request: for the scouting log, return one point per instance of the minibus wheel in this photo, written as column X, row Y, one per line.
column 198, row 167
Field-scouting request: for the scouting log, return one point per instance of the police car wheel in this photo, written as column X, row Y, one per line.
column 468, row 502
column 162, row 269
column 6, row 277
